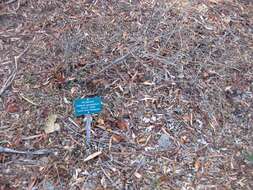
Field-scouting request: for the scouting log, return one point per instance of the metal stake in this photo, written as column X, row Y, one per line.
column 88, row 121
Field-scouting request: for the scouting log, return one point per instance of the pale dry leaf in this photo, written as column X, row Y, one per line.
column 117, row 138
column 215, row 1
column 184, row 139
column 182, row 4
column 101, row 121
column 103, row 182
column 74, row 90
column 186, row 118
column 197, row 165
column 92, row 156
column 66, row 101
column 51, row 125
column 202, row 8
column 125, row 35
column 137, row 175
column 141, row 140
column 148, row 83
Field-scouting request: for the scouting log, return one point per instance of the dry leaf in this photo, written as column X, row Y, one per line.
column 229, row 89
column 137, row 175
column 60, row 78
column 214, row 123
column 97, row 53
column 12, row 108
column 182, row 4
column 82, row 62
column 66, row 101
column 122, row 124
column 141, row 140
column 74, row 90
column 202, row 8
column 103, row 182
column 197, row 165
column 125, row 35
column 117, row 138
column 163, row 178
column 94, row 155
column 205, row 75
column 148, row 83
column 50, row 125
column 101, row 121
column 214, row 1
column 209, row 73
column 186, row 118
column 184, row 139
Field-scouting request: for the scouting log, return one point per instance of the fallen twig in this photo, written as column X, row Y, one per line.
column 28, row 100
column 120, row 59
column 109, row 178
column 37, row 152
column 73, row 122
column 10, row 1
column 94, row 155
column 9, row 81
column 31, row 137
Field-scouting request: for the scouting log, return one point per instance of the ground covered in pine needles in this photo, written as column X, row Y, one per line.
column 176, row 79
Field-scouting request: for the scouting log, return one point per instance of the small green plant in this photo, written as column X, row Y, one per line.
column 249, row 157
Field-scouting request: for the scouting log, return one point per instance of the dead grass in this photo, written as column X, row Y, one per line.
column 181, row 69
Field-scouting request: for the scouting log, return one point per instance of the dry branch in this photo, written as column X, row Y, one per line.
column 37, row 152
column 10, row 79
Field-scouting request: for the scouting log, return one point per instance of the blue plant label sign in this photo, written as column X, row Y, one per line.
column 87, row 106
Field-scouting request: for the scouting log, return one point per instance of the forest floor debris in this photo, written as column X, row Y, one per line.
column 177, row 70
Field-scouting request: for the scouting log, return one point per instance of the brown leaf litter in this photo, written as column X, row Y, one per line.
column 176, row 82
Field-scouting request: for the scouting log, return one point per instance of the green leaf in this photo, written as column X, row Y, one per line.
column 249, row 157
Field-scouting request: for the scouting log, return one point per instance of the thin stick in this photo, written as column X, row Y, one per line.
column 108, row 177
column 73, row 122
column 37, row 152
column 9, row 81
column 117, row 61
column 10, row 1
column 28, row 100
